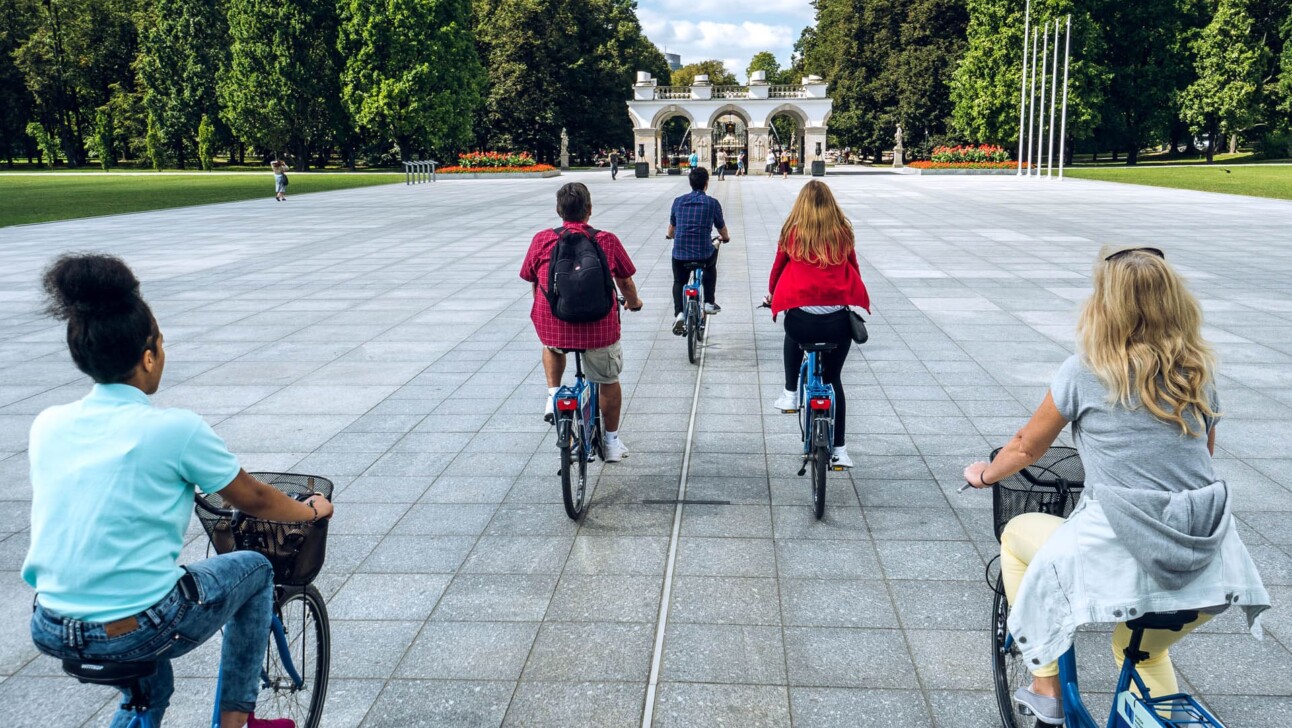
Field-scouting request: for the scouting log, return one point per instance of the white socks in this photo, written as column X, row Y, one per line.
column 551, row 391
column 612, row 436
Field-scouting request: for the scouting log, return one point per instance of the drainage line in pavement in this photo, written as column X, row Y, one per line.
column 657, row 658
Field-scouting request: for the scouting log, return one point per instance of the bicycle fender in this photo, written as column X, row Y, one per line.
column 563, row 431
column 821, row 435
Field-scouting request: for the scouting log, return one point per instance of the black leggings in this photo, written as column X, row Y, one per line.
column 809, row 328
column 682, row 275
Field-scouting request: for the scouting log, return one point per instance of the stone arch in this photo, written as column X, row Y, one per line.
column 787, row 108
column 730, row 109
column 668, row 112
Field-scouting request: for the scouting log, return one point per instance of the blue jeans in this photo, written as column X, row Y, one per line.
column 235, row 591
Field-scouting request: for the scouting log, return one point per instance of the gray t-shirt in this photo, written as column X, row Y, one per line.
column 1128, row 448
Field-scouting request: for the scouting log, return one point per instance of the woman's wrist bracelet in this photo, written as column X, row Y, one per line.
column 982, row 478
column 310, row 503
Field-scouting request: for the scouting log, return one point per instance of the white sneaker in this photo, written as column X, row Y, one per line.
column 712, row 308
column 615, row 450
column 679, row 324
column 549, row 412
column 787, row 402
column 840, row 458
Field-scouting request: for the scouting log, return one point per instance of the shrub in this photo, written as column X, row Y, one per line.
column 1006, row 164
column 495, row 159
column 44, row 141
column 970, row 153
column 464, row 169
column 206, row 143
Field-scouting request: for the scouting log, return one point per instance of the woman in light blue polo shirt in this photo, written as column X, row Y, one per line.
column 112, row 493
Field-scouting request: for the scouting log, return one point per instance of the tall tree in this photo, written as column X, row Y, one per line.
column 717, row 72
column 985, row 87
column 15, row 101
column 76, row 50
column 554, row 64
column 766, row 61
column 1229, row 65
column 280, row 91
column 182, row 46
column 411, row 72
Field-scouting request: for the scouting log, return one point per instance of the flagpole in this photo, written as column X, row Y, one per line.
column 1054, row 92
column 1022, row 90
column 1040, row 112
column 1031, row 105
column 1063, row 132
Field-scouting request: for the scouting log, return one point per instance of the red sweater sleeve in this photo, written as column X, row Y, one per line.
column 778, row 267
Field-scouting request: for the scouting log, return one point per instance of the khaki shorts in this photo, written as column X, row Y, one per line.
column 601, row 365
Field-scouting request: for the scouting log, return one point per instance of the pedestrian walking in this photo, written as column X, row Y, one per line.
column 771, row 162
column 741, row 162
column 280, row 178
column 722, row 166
column 614, row 164
column 785, row 165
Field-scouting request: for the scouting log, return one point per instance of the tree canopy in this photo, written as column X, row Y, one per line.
column 717, row 72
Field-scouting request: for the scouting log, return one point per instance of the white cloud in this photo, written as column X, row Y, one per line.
column 734, row 43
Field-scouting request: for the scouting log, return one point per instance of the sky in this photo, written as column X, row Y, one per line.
column 729, row 30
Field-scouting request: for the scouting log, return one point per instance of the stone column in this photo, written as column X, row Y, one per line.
column 646, row 140
column 702, row 143
column 758, row 144
column 812, row 136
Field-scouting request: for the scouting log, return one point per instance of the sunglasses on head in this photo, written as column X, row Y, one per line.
column 1124, row 253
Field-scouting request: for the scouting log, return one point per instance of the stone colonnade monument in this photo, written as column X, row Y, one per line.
column 702, row 104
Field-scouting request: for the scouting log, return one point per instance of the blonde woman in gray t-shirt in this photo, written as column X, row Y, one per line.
column 1154, row 530
column 280, row 179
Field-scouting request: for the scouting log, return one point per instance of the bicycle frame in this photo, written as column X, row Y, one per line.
column 695, row 288
column 588, row 395
column 811, row 387
column 284, row 653
column 1124, row 712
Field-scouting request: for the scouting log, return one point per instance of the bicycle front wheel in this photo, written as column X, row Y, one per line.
column 293, row 683
column 820, row 466
column 1008, row 667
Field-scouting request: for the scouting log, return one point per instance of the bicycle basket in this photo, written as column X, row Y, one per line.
column 1051, row 485
column 295, row 550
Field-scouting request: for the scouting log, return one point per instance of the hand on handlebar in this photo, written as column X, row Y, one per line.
column 767, row 301
column 629, row 305
column 321, row 504
column 973, row 476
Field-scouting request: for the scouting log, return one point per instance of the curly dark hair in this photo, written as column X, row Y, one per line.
column 109, row 326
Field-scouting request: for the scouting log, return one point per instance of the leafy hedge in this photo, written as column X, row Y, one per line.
column 495, row 159
column 969, row 153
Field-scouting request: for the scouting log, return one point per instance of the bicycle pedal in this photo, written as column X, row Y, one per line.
column 1023, row 709
column 839, row 468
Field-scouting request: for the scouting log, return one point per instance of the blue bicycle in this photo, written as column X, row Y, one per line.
column 294, row 677
column 578, row 436
column 694, row 317
column 816, row 421
column 1053, row 485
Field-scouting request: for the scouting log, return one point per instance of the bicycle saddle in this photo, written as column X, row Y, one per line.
column 108, row 673
column 693, row 264
column 1173, row 621
column 819, row 346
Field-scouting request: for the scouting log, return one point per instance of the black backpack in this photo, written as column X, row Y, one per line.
column 579, row 288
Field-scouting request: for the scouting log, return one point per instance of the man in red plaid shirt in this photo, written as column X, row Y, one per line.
column 603, row 357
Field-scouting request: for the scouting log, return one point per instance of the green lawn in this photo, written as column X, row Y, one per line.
column 1259, row 181
column 45, row 198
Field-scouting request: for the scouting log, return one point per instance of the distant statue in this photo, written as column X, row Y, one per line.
column 565, row 150
column 899, row 154
column 898, row 136
column 758, row 148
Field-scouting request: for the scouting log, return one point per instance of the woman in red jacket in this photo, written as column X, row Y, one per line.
column 814, row 280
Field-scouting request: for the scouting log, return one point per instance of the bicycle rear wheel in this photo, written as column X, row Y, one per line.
column 1008, row 667
column 820, row 466
column 692, row 332
column 307, row 648
column 574, row 479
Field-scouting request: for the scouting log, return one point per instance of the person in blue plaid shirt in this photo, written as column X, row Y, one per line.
column 694, row 217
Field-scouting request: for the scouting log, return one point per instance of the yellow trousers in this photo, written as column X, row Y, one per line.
column 1023, row 537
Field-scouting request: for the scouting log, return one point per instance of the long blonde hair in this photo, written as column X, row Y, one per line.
column 817, row 231
column 1141, row 334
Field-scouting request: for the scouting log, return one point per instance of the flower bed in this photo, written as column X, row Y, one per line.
column 970, row 153
column 496, row 159
column 459, row 169
column 924, row 164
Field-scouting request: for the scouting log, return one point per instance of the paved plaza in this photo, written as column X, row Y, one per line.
column 381, row 337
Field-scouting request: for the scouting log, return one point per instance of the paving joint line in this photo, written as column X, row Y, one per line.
column 661, row 623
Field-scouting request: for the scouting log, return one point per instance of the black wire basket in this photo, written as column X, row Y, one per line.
column 295, row 550
column 1051, row 485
